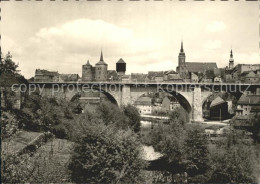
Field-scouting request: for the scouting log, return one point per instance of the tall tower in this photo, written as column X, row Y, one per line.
column 101, row 69
column 87, row 72
column 181, row 69
column 121, row 67
column 231, row 60
column 182, row 56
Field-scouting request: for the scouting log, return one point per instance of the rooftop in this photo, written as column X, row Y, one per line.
column 249, row 99
column 121, row 61
column 200, row 66
column 217, row 101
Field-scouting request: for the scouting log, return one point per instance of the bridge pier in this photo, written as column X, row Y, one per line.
column 126, row 95
column 197, row 105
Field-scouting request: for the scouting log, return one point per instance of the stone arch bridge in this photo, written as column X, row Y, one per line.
column 190, row 95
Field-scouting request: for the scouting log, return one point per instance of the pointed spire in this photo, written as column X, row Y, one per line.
column 101, row 56
column 231, row 54
column 88, row 62
column 182, row 46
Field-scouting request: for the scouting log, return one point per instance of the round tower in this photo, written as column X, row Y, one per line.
column 101, row 70
column 87, row 72
column 121, row 67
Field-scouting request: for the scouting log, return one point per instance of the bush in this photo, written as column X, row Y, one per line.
column 234, row 160
column 134, row 117
column 9, row 125
column 184, row 146
column 105, row 154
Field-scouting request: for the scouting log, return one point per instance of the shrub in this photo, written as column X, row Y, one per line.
column 9, row 125
column 104, row 154
column 134, row 117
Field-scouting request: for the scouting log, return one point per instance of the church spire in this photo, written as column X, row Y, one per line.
column 231, row 54
column 101, row 56
column 231, row 60
column 182, row 46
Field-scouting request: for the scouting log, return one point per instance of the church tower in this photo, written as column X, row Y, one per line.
column 181, row 69
column 101, row 70
column 231, row 60
column 182, row 56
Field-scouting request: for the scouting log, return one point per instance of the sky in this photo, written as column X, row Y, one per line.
column 63, row 35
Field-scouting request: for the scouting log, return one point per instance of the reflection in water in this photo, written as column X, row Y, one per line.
column 146, row 124
column 150, row 154
column 148, row 151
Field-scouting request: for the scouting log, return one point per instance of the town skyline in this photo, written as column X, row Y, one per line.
column 56, row 39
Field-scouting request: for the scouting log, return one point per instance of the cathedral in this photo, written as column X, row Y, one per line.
column 185, row 69
column 100, row 72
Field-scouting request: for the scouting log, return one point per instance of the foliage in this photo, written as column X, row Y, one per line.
column 183, row 146
column 105, row 154
column 234, row 160
column 134, row 117
column 40, row 167
column 46, row 114
column 8, row 76
column 9, row 125
column 129, row 117
column 7, row 65
column 179, row 116
column 197, row 152
column 165, row 177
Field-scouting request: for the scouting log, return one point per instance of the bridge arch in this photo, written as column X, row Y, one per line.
column 106, row 94
column 184, row 102
column 226, row 96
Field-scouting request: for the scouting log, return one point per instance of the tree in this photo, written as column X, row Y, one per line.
column 8, row 76
column 105, row 154
column 197, row 153
column 184, row 146
column 111, row 114
column 234, row 160
column 7, row 65
column 134, row 117
column 179, row 115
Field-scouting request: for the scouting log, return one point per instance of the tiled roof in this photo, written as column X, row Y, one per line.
column 246, row 74
column 170, row 72
column 46, row 72
column 101, row 63
column 88, row 63
column 217, row 101
column 143, row 101
column 249, row 99
column 138, row 76
column 152, row 74
column 112, row 74
column 121, row 61
column 200, row 67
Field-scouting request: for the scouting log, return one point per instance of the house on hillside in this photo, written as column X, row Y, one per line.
column 248, row 104
column 144, row 105
column 249, row 77
column 46, row 76
column 68, row 77
column 169, row 103
column 172, row 76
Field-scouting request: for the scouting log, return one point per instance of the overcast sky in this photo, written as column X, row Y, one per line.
column 62, row 36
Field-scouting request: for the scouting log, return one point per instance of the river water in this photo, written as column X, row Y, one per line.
column 148, row 151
